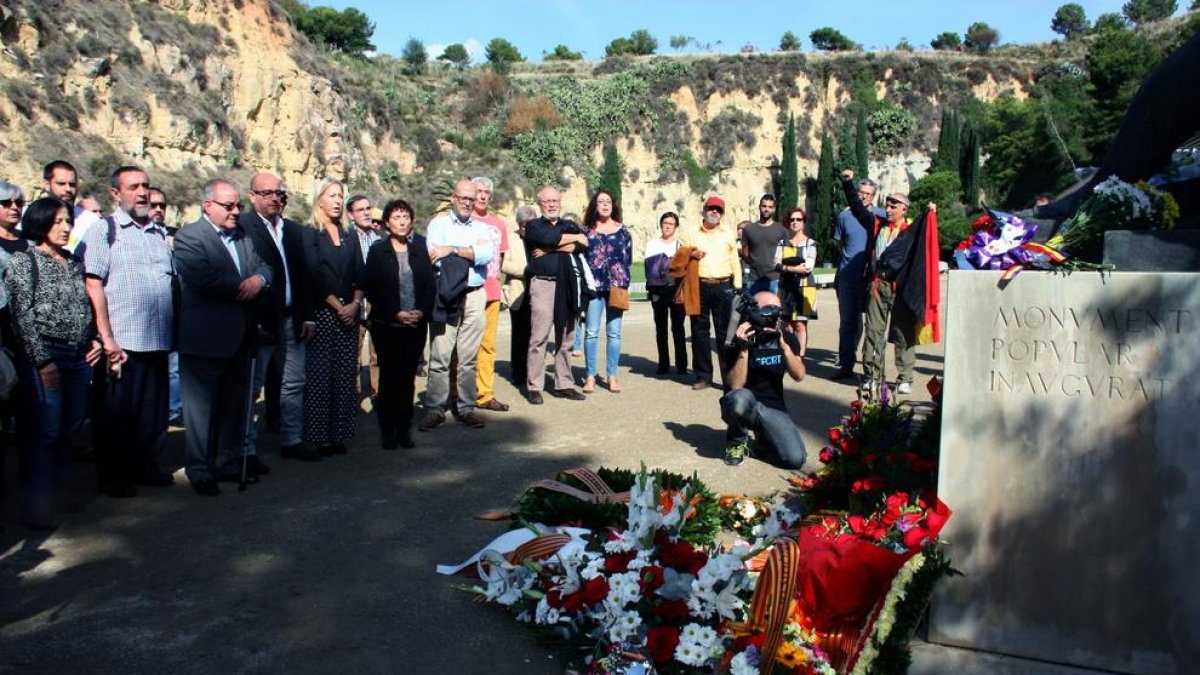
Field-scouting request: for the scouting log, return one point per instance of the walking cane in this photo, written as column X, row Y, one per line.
column 249, row 421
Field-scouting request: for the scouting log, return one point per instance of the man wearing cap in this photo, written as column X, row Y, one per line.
column 720, row 272
column 882, row 308
column 359, row 208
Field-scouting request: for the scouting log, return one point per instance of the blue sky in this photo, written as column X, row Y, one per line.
column 536, row 26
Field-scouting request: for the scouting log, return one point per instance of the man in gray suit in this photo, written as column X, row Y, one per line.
column 221, row 276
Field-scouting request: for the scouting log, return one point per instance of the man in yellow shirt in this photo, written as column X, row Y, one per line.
column 716, row 251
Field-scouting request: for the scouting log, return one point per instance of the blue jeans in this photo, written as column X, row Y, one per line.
column 772, row 428
column 764, row 284
column 577, row 345
column 852, row 302
column 176, row 404
column 51, row 415
column 612, row 331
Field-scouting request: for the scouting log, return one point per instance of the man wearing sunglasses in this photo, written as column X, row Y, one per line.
column 720, row 272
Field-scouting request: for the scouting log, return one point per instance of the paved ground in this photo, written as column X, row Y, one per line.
column 329, row 567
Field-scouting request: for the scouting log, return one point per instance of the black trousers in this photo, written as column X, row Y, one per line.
column 662, row 301
column 521, row 318
column 398, row 350
column 716, row 302
column 129, row 419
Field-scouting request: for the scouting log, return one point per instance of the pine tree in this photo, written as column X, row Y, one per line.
column 862, row 146
column 789, row 186
column 610, row 174
column 968, row 171
column 821, row 218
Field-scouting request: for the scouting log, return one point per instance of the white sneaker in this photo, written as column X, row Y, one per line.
column 904, row 388
column 866, row 390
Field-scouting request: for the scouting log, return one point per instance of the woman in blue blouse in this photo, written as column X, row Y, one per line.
column 610, row 252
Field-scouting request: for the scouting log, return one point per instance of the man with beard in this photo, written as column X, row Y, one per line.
column 720, row 272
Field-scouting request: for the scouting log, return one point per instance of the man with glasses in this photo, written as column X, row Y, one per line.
column 882, row 309
column 485, row 378
column 460, row 247
column 158, row 216
column 760, row 242
column 221, row 277
column 720, row 272
column 129, row 277
column 286, row 316
column 359, row 208
column 548, row 240
column 850, row 236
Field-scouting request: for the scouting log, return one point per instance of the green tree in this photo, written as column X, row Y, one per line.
column 562, row 53
column 904, row 46
column 1070, row 21
column 347, row 31
column 643, row 42
column 1116, row 66
column 1024, row 158
column 980, row 37
column 862, row 146
column 610, row 173
column 940, row 187
column 829, row 39
column 968, row 169
column 456, row 54
column 501, row 54
column 847, row 153
column 414, row 56
column 619, row 47
column 789, row 172
column 948, row 41
column 947, row 156
column 821, row 218
column 789, row 42
column 1109, row 21
column 1145, row 11
column 681, row 42
column 891, row 128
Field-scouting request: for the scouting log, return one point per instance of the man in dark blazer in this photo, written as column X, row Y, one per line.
column 221, row 277
column 286, row 319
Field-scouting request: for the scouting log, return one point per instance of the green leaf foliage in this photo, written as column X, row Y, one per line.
column 828, row 39
column 789, row 177
column 562, row 53
column 414, row 56
column 789, row 42
column 1109, row 21
column 980, row 37
column 1145, row 11
column 1070, row 21
column 610, row 174
column 347, row 31
column 501, row 54
column 821, row 218
column 456, row 54
column 891, row 128
column 948, row 41
column 862, row 146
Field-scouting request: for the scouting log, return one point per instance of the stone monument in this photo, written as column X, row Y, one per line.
column 1071, row 456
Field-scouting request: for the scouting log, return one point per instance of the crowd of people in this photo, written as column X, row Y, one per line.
column 140, row 325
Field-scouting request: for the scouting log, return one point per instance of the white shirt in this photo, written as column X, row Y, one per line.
column 276, row 230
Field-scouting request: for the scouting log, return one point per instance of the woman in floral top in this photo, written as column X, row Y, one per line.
column 56, row 341
column 610, row 252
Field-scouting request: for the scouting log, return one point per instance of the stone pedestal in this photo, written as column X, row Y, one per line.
column 1071, row 456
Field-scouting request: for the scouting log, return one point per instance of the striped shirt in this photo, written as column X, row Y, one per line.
column 137, row 271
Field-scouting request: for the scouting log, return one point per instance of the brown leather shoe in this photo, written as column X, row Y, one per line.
column 534, row 398
column 472, row 419
column 572, row 394
column 493, row 405
column 432, row 421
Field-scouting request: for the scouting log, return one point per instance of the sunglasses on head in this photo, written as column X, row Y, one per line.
column 7, row 203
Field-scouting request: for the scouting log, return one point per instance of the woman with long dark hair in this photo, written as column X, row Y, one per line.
column 609, row 254
column 660, row 286
column 330, row 402
column 56, row 343
column 796, row 287
column 399, row 284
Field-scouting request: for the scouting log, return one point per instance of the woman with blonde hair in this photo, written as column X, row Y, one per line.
column 336, row 267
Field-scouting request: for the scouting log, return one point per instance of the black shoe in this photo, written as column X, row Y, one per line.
column 121, row 491
column 534, row 398
column 236, row 477
column 842, row 375
column 157, row 480
column 326, row 449
column 570, row 394
column 339, row 448
column 300, row 451
column 207, row 488
column 406, row 440
column 662, row 370
column 388, row 439
column 256, row 466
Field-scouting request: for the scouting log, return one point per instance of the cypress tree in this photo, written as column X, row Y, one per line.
column 862, row 146
column 968, row 171
column 948, row 152
column 821, row 218
column 847, row 155
column 789, row 188
column 610, row 173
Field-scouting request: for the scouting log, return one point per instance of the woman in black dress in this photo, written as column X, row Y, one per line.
column 330, row 404
column 400, row 287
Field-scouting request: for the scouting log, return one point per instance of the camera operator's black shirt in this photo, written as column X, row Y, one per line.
column 766, row 368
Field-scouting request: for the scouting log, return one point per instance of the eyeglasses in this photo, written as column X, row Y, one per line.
column 231, row 206
column 714, row 208
column 865, row 193
column 8, row 203
column 893, row 203
column 282, row 194
column 158, row 205
column 795, row 220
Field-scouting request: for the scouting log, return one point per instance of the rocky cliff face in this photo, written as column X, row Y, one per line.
column 196, row 88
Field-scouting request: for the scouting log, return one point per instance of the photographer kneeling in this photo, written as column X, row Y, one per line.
column 761, row 353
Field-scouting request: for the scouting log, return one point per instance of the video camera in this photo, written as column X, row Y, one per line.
column 764, row 321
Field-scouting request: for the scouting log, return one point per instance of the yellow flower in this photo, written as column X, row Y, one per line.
column 791, row 655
